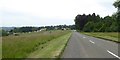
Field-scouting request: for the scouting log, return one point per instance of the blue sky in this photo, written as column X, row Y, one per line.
column 50, row 12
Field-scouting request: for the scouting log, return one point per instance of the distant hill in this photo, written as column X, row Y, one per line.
column 7, row 28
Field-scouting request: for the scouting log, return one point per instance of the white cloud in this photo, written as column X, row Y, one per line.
column 51, row 12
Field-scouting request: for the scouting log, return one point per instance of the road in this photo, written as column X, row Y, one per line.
column 83, row 46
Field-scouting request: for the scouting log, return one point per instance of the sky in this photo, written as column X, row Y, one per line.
column 19, row 13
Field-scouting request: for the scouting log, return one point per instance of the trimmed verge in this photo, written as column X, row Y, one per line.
column 102, row 37
column 64, row 47
column 53, row 48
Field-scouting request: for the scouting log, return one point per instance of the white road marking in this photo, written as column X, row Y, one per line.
column 113, row 54
column 92, row 42
column 84, row 37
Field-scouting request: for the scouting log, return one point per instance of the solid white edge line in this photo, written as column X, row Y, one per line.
column 113, row 54
column 92, row 42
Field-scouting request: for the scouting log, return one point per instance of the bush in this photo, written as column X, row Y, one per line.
column 4, row 33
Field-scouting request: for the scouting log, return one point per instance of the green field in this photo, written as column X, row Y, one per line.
column 112, row 36
column 27, row 44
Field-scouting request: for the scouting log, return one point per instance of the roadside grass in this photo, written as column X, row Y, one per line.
column 53, row 48
column 0, row 47
column 21, row 46
column 112, row 36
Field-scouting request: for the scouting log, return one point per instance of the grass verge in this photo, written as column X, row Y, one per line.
column 0, row 47
column 24, row 44
column 53, row 48
column 111, row 36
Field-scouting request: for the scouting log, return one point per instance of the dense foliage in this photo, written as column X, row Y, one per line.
column 117, row 5
column 95, row 23
column 3, row 33
column 24, row 29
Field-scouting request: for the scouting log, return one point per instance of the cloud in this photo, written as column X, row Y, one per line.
column 22, row 19
column 50, row 12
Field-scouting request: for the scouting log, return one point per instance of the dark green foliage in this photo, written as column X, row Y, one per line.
column 4, row 33
column 117, row 5
column 94, row 23
column 48, row 28
column 88, row 27
column 24, row 29
column 0, row 32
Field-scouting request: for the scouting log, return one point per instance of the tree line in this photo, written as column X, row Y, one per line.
column 47, row 28
column 32, row 29
column 95, row 23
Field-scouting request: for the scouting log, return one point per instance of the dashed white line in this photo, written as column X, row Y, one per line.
column 92, row 42
column 113, row 54
column 84, row 37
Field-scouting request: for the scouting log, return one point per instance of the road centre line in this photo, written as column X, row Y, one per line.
column 92, row 42
column 113, row 54
column 84, row 37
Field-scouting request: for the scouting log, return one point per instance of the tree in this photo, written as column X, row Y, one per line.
column 4, row 33
column 88, row 27
column 86, row 22
column 117, row 5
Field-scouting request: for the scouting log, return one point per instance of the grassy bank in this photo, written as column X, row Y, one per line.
column 24, row 44
column 112, row 36
column 53, row 48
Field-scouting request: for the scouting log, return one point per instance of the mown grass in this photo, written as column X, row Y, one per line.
column 53, row 48
column 21, row 46
column 112, row 36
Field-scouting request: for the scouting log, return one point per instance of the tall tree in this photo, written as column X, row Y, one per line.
column 117, row 5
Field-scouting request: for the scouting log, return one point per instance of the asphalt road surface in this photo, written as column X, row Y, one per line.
column 82, row 46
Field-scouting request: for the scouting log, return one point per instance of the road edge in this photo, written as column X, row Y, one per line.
column 64, row 47
column 103, row 38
